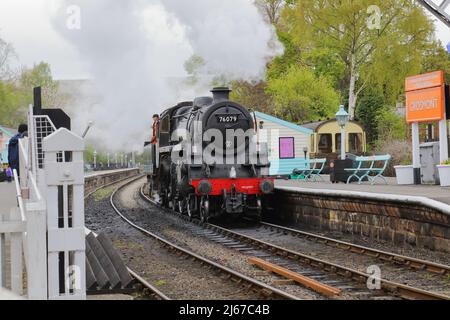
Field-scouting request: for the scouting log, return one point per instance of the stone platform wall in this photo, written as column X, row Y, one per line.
column 400, row 222
column 94, row 182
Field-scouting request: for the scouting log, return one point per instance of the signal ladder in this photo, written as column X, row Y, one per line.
column 439, row 9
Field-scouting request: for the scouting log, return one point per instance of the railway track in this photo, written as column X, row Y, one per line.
column 383, row 256
column 350, row 281
column 261, row 289
column 145, row 287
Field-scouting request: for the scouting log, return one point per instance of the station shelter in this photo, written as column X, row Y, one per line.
column 326, row 139
column 288, row 144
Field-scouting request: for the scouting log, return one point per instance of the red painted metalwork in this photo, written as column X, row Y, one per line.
column 250, row 186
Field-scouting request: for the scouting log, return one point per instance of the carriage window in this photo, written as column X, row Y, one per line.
column 356, row 145
column 165, row 125
column 325, row 143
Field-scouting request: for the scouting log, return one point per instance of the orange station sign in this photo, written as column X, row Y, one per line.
column 425, row 97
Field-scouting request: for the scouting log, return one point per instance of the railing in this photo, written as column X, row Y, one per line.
column 46, row 230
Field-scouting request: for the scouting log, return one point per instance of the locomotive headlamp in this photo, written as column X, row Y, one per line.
column 267, row 186
column 204, row 188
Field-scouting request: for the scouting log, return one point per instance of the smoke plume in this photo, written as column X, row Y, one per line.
column 135, row 53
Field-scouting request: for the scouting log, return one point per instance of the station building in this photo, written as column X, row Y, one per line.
column 287, row 143
column 326, row 138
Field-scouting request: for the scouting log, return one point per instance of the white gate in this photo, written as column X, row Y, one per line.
column 48, row 224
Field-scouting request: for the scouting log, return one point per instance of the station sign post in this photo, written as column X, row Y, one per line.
column 425, row 102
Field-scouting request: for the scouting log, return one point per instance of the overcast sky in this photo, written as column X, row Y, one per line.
column 26, row 24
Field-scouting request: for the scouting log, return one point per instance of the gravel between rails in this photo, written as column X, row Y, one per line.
column 178, row 278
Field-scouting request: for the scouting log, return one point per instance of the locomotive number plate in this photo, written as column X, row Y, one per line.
column 228, row 118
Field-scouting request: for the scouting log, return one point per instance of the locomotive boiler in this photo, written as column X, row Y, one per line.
column 207, row 160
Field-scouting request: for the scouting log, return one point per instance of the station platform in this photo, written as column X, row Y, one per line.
column 431, row 192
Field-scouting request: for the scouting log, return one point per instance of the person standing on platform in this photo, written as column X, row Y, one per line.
column 13, row 148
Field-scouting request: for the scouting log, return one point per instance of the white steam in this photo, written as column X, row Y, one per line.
column 135, row 51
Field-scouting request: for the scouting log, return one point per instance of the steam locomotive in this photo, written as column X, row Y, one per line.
column 207, row 160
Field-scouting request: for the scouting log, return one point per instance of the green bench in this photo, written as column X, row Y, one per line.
column 366, row 168
column 313, row 171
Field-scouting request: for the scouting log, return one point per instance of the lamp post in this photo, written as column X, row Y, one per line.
column 305, row 151
column 343, row 119
column 95, row 159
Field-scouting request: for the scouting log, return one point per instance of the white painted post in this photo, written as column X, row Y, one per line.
column 36, row 250
column 66, row 232
column 16, row 255
column 443, row 140
column 416, row 152
column 343, row 143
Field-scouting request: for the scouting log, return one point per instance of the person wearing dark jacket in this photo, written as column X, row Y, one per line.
column 13, row 147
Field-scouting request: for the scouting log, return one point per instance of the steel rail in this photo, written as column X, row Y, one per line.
column 347, row 246
column 392, row 288
column 250, row 284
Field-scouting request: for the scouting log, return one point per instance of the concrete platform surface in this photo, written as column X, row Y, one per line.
column 436, row 193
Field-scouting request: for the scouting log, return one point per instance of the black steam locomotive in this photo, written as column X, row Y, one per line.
column 207, row 161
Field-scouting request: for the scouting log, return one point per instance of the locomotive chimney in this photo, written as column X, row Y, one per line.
column 221, row 94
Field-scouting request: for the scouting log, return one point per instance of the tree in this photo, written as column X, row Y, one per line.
column 194, row 66
column 252, row 95
column 7, row 53
column 301, row 96
column 437, row 59
column 355, row 33
column 368, row 111
column 271, row 9
column 41, row 76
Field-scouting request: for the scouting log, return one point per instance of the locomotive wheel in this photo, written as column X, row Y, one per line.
column 191, row 205
column 204, row 210
column 181, row 206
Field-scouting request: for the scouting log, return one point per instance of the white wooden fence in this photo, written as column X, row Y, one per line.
column 46, row 230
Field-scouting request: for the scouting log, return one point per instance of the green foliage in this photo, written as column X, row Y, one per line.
column 12, row 105
column 40, row 76
column 16, row 96
column 301, row 96
column 369, row 108
column 252, row 95
column 390, row 126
